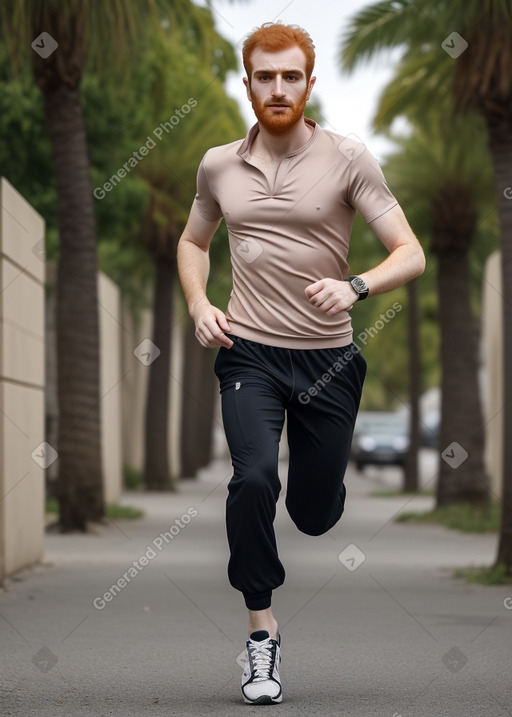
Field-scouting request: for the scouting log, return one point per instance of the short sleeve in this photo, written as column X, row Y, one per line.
column 204, row 201
column 368, row 191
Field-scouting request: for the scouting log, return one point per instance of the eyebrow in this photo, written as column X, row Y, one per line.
column 290, row 71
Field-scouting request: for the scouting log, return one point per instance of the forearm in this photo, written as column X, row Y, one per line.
column 406, row 262
column 193, row 269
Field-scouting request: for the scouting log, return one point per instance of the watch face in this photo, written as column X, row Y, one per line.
column 359, row 284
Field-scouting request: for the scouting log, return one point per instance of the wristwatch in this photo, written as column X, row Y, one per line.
column 359, row 285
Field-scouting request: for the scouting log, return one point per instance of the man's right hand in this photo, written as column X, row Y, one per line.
column 211, row 325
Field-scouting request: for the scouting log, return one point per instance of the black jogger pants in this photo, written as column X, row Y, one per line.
column 320, row 390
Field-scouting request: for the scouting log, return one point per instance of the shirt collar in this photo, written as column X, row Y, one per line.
column 244, row 150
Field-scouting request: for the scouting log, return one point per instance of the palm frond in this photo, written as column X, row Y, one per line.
column 108, row 31
column 422, row 85
column 382, row 26
column 436, row 153
column 412, row 23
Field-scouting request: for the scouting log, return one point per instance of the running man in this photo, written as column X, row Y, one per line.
column 288, row 192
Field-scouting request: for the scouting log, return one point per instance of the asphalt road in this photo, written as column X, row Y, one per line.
column 372, row 622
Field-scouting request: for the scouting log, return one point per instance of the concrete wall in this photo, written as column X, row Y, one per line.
column 22, row 458
column 492, row 371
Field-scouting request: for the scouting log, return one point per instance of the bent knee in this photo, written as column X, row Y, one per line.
column 314, row 525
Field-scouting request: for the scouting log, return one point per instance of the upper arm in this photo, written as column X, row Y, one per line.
column 393, row 230
column 198, row 230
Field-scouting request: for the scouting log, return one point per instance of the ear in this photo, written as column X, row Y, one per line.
column 311, row 84
column 248, row 89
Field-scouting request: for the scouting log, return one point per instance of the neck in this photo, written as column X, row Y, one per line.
column 279, row 145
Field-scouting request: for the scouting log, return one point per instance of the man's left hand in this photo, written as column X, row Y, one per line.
column 331, row 296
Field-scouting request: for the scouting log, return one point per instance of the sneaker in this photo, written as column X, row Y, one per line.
column 260, row 680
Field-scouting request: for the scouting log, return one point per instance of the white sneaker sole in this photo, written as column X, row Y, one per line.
column 264, row 700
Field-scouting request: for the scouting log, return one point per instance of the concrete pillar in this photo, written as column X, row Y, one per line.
column 176, row 389
column 492, row 372
column 134, row 385
column 109, row 314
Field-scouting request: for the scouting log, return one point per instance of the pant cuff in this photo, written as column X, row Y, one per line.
column 258, row 601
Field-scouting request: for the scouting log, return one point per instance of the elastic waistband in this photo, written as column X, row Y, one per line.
column 290, row 342
column 350, row 348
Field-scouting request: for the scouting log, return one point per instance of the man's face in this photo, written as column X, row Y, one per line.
column 278, row 89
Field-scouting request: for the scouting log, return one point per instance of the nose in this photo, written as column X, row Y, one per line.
column 277, row 89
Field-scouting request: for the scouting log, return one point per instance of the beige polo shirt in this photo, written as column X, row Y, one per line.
column 285, row 236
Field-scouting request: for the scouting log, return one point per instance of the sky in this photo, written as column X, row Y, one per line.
column 348, row 102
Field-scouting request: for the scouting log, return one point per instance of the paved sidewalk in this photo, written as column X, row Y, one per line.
column 382, row 631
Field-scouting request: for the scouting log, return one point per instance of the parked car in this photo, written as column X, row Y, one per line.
column 380, row 438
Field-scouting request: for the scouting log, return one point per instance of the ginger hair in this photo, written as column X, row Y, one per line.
column 274, row 37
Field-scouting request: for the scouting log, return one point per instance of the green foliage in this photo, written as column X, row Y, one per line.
column 401, row 493
column 498, row 574
column 465, row 517
column 442, row 148
column 102, row 33
column 111, row 141
column 386, row 349
column 314, row 111
column 185, row 112
column 123, row 512
column 25, row 153
column 402, row 24
column 114, row 510
column 132, row 478
column 122, row 107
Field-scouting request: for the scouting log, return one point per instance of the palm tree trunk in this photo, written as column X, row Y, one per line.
column 411, row 482
column 461, row 478
column 156, row 463
column 80, row 478
column 198, row 405
column 501, row 149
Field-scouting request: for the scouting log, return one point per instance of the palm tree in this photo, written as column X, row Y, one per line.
column 198, row 404
column 210, row 118
column 448, row 197
column 63, row 38
column 475, row 65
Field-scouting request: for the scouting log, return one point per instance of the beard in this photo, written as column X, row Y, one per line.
column 278, row 123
